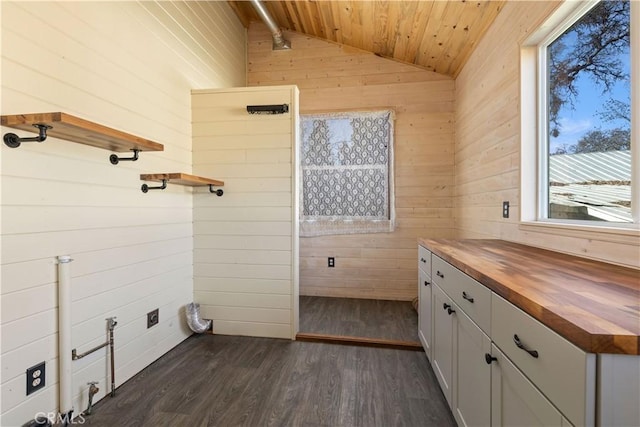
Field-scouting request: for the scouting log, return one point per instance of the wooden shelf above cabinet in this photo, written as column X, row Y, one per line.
column 181, row 179
column 71, row 128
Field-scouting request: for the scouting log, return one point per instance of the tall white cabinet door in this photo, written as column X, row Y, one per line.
column 425, row 308
column 472, row 390
column 443, row 341
column 515, row 401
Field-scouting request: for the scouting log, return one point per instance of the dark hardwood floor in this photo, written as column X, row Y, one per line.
column 215, row 380
column 392, row 320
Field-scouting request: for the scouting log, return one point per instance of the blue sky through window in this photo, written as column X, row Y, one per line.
column 583, row 115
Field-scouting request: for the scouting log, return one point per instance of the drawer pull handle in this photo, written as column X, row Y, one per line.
column 489, row 358
column 439, row 274
column 426, row 283
column 448, row 308
column 516, row 340
column 423, row 260
column 467, row 297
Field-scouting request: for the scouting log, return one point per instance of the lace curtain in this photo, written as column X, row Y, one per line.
column 347, row 173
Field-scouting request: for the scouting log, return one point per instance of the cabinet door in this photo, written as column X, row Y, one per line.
column 515, row 401
column 443, row 341
column 564, row 373
column 424, row 311
column 472, row 390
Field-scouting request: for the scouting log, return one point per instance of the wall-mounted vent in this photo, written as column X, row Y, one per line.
column 268, row 109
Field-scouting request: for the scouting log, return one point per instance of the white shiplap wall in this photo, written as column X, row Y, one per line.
column 131, row 66
column 246, row 242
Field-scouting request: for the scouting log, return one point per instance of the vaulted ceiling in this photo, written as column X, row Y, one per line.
column 434, row 34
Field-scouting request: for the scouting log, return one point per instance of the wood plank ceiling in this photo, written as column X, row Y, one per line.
column 436, row 35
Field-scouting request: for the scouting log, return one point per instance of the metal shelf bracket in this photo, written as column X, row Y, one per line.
column 217, row 192
column 114, row 159
column 145, row 188
column 12, row 140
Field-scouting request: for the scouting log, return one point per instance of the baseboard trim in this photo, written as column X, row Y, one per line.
column 363, row 341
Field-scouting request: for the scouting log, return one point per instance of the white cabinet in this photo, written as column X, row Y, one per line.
column 515, row 401
column 472, row 379
column 564, row 373
column 470, row 295
column 495, row 364
column 443, row 341
column 459, row 343
column 425, row 304
column 619, row 390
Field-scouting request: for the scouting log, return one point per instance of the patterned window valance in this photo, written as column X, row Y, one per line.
column 347, row 173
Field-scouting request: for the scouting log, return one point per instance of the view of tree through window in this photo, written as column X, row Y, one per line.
column 589, row 117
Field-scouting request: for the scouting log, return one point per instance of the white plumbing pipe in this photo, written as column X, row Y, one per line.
column 64, row 335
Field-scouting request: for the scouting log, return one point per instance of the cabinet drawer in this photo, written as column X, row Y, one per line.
column 471, row 296
column 444, row 274
column 563, row 372
column 424, row 260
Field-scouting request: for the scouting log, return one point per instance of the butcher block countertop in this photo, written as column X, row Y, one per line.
column 592, row 304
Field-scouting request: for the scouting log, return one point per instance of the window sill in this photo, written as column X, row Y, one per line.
column 629, row 235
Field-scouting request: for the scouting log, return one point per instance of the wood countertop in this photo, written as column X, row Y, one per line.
column 594, row 305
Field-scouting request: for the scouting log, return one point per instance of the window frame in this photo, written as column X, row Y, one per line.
column 534, row 123
column 318, row 225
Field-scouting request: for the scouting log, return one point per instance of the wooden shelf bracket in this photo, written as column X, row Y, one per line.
column 12, row 140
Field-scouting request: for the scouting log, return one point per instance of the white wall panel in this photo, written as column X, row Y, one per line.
column 245, row 256
column 130, row 66
column 234, row 284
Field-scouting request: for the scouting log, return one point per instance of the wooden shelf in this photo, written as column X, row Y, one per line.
column 181, row 179
column 71, row 128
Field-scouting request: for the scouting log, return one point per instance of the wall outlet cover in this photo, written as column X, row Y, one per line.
column 153, row 318
column 331, row 262
column 35, row 378
column 505, row 209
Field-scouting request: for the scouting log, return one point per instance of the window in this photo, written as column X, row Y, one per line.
column 346, row 162
column 579, row 66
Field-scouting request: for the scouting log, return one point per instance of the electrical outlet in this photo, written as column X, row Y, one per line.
column 152, row 318
column 35, row 378
column 331, row 262
column 505, row 209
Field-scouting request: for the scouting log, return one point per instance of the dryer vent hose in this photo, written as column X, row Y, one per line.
column 195, row 322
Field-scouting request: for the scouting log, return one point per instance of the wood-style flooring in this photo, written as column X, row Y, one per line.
column 369, row 318
column 215, row 380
